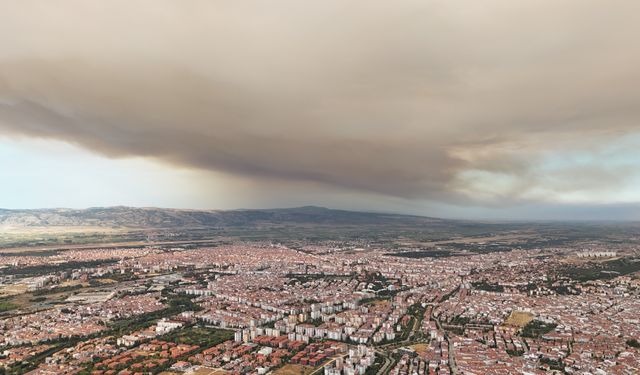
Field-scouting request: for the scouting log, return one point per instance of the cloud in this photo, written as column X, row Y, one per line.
column 457, row 102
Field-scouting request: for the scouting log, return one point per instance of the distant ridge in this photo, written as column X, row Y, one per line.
column 149, row 217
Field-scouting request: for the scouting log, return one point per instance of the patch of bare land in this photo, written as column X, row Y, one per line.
column 99, row 245
column 519, row 319
column 421, row 348
column 12, row 290
column 14, row 238
column 45, row 230
column 294, row 370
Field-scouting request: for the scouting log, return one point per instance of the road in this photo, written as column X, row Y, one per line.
column 388, row 362
column 452, row 358
column 386, row 367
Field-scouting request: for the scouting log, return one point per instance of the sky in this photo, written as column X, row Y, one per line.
column 496, row 109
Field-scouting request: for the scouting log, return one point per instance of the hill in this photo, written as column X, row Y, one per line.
column 156, row 218
column 53, row 228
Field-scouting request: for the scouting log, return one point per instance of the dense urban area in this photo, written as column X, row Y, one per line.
column 375, row 187
column 343, row 307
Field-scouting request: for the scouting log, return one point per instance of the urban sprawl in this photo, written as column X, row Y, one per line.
column 265, row 308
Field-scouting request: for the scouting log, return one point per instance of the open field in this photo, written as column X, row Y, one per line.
column 7, row 306
column 29, row 301
column 12, row 290
column 519, row 319
column 100, row 245
column 200, row 336
column 200, row 371
column 294, row 370
column 18, row 237
column 421, row 349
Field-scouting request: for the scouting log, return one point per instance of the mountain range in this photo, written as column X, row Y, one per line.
column 133, row 217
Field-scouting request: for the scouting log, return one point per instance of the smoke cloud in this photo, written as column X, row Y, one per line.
column 459, row 102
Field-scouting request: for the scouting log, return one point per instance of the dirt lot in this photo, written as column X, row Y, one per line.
column 201, row 371
column 421, row 349
column 519, row 319
column 294, row 370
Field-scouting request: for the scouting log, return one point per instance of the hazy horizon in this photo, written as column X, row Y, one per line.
column 621, row 215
